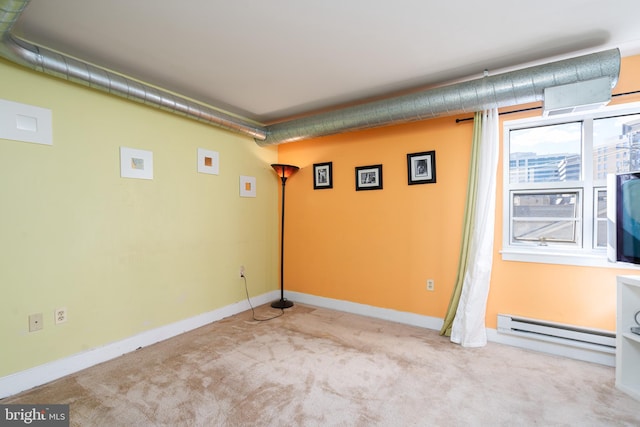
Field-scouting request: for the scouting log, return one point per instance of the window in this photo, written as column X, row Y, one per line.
column 545, row 217
column 555, row 170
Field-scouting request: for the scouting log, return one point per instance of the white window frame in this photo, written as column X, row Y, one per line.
column 577, row 219
column 585, row 253
column 596, row 220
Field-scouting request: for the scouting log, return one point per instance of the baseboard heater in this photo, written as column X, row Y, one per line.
column 558, row 333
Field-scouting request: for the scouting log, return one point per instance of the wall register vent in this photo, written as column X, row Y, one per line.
column 558, row 333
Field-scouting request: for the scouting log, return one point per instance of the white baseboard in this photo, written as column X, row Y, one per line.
column 368, row 310
column 25, row 380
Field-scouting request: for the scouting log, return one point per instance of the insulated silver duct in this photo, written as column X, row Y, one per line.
column 508, row 89
column 65, row 67
column 503, row 90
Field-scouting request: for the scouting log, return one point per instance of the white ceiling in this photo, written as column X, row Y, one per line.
column 267, row 60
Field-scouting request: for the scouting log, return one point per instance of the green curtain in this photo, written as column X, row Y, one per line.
column 469, row 213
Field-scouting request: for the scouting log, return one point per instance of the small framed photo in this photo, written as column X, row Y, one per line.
column 421, row 167
column 322, row 175
column 136, row 163
column 247, row 186
column 208, row 161
column 369, row 177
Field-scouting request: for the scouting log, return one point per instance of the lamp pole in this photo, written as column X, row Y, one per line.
column 284, row 171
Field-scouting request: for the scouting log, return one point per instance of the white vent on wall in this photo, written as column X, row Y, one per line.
column 576, row 97
column 558, row 333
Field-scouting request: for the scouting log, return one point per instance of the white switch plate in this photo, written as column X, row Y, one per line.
column 25, row 123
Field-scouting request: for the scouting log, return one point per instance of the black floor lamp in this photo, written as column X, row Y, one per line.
column 284, row 172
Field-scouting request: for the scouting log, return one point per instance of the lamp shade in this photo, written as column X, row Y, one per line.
column 284, row 171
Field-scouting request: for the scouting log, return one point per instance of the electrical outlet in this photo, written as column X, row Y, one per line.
column 35, row 322
column 241, row 271
column 430, row 285
column 60, row 315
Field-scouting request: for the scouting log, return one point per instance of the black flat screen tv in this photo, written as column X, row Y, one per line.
column 628, row 217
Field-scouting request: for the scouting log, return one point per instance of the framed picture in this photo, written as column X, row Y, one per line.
column 247, row 186
column 322, row 175
column 208, row 161
column 369, row 177
column 421, row 167
column 136, row 163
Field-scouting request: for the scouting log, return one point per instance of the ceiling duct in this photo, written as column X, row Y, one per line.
column 503, row 90
column 68, row 68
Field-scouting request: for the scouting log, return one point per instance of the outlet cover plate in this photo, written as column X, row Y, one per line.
column 60, row 315
column 35, row 322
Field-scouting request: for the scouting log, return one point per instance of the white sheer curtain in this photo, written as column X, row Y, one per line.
column 468, row 327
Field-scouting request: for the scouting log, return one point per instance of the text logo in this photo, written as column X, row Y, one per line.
column 34, row 415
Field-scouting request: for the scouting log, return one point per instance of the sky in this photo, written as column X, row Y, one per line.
column 566, row 137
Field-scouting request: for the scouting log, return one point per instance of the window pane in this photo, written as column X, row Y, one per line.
column 601, row 203
column 600, row 234
column 616, row 145
column 545, row 217
column 544, row 232
column 546, row 154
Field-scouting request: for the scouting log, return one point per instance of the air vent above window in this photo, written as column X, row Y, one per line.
column 577, row 97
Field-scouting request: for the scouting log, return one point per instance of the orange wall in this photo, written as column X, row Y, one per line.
column 379, row 247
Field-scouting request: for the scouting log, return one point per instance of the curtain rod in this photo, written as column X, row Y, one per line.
column 538, row 108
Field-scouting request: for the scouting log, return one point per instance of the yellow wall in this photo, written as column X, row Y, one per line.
column 380, row 247
column 122, row 255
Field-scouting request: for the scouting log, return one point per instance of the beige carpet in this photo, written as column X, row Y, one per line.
column 318, row 367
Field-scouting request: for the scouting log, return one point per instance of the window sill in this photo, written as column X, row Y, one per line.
column 563, row 258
